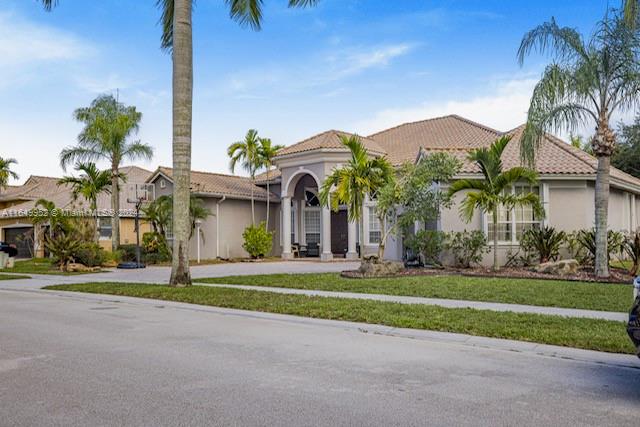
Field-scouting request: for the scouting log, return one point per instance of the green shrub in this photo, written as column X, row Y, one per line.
column 427, row 243
column 631, row 248
column 128, row 252
column 587, row 242
column 257, row 240
column 467, row 247
column 155, row 248
column 63, row 248
column 544, row 242
column 90, row 254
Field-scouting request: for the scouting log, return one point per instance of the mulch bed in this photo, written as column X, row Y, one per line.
column 584, row 275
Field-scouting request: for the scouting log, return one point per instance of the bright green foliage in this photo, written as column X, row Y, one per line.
column 545, row 242
column 6, row 172
column 155, row 248
column 247, row 154
column 467, row 247
column 257, row 241
column 160, row 212
column 493, row 192
column 64, row 248
column 428, row 243
column 587, row 241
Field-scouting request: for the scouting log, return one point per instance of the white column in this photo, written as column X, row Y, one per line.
column 326, row 235
column 286, row 228
column 352, row 231
column 633, row 214
column 545, row 203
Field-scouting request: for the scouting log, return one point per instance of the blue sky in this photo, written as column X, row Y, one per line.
column 354, row 65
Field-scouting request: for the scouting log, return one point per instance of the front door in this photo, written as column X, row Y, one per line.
column 339, row 230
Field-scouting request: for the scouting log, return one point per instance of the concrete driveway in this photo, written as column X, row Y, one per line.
column 161, row 274
column 77, row 360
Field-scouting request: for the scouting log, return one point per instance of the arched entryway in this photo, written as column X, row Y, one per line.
column 308, row 229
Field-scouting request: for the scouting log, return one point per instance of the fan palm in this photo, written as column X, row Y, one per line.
column 349, row 185
column 586, row 84
column 6, row 172
column 493, row 192
column 90, row 185
column 247, row 154
column 177, row 37
column 108, row 126
column 266, row 152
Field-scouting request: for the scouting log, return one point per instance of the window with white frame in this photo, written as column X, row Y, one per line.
column 312, row 226
column 375, row 234
column 513, row 223
column 104, row 228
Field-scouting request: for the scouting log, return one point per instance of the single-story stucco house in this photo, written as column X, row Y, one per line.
column 566, row 188
column 16, row 202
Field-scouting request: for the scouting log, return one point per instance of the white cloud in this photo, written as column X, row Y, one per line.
column 503, row 107
column 354, row 63
column 23, row 42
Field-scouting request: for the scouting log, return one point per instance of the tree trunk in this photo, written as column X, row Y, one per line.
column 496, row 267
column 182, row 111
column 115, row 206
column 253, row 210
column 268, row 198
column 362, row 234
column 602, row 208
column 95, row 221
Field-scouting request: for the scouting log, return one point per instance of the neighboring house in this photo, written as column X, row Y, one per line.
column 228, row 198
column 566, row 186
column 17, row 201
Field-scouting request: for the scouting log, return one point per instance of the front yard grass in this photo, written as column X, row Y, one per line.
column 12, row 276
column 548, row 293
column 37, row 266
column 592, row 334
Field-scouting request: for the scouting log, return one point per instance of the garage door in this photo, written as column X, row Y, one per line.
column 22, row 237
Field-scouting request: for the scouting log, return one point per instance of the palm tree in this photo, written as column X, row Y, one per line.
column 247, row 153
column 493, row 192
column 587, row 83
column 631, row 11
column 108, row 126
column 177, row 38
column 90, row 185
column 266, row 152
column 6, row 172
column 349, row 185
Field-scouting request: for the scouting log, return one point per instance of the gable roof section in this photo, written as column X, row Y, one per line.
column 217, row 184
column 330, row 140
column 46, row 187
column 402, row 143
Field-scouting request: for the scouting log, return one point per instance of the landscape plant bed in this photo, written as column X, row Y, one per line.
column 527, row 291
column 591, row 334
column 39, row 266
column 617, row 275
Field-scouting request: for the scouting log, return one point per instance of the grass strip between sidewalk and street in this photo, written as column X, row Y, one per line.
column 13, row 276
column 591, row 334
column 545, row 293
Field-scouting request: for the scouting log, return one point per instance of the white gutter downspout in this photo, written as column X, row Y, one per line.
column 218, row 203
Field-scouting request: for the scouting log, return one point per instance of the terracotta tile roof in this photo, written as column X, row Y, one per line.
column 46, row 187
column 221, row 185
column 402, row 143
column 330, row 140
column 274, row 175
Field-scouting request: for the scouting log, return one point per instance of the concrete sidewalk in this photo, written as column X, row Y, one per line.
column 448, row 303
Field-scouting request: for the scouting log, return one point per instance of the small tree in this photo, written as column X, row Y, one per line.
column 247, row 153
column 491, row 193
column 257, row 241
column 266, row 152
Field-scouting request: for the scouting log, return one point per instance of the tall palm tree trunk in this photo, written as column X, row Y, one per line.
column 268, row 198
column 602, row 213
column 362, row 213
column 495, row 239
column 182, row 110
column 253, row 209
column 115, row 205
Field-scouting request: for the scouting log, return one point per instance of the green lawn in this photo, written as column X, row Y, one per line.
column 549, row 293
column 12, row 276
column 36, row 266
column 590, row 334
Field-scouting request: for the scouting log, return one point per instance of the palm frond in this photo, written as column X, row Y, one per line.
column 246, row 12
column 566, row 43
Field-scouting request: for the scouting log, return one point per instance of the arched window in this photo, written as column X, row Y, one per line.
column 311, row 198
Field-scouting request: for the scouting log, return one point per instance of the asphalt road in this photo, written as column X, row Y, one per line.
column 93, row 361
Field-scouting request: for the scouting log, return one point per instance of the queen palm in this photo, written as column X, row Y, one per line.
column 90, row 184
column 108, row 127
column 6, row 172
column 247, row 154
column 349, row 185
column 493, row 191
column 266, row 152
column 586, row 84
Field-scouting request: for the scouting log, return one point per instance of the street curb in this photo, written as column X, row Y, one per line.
column 529, row 348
